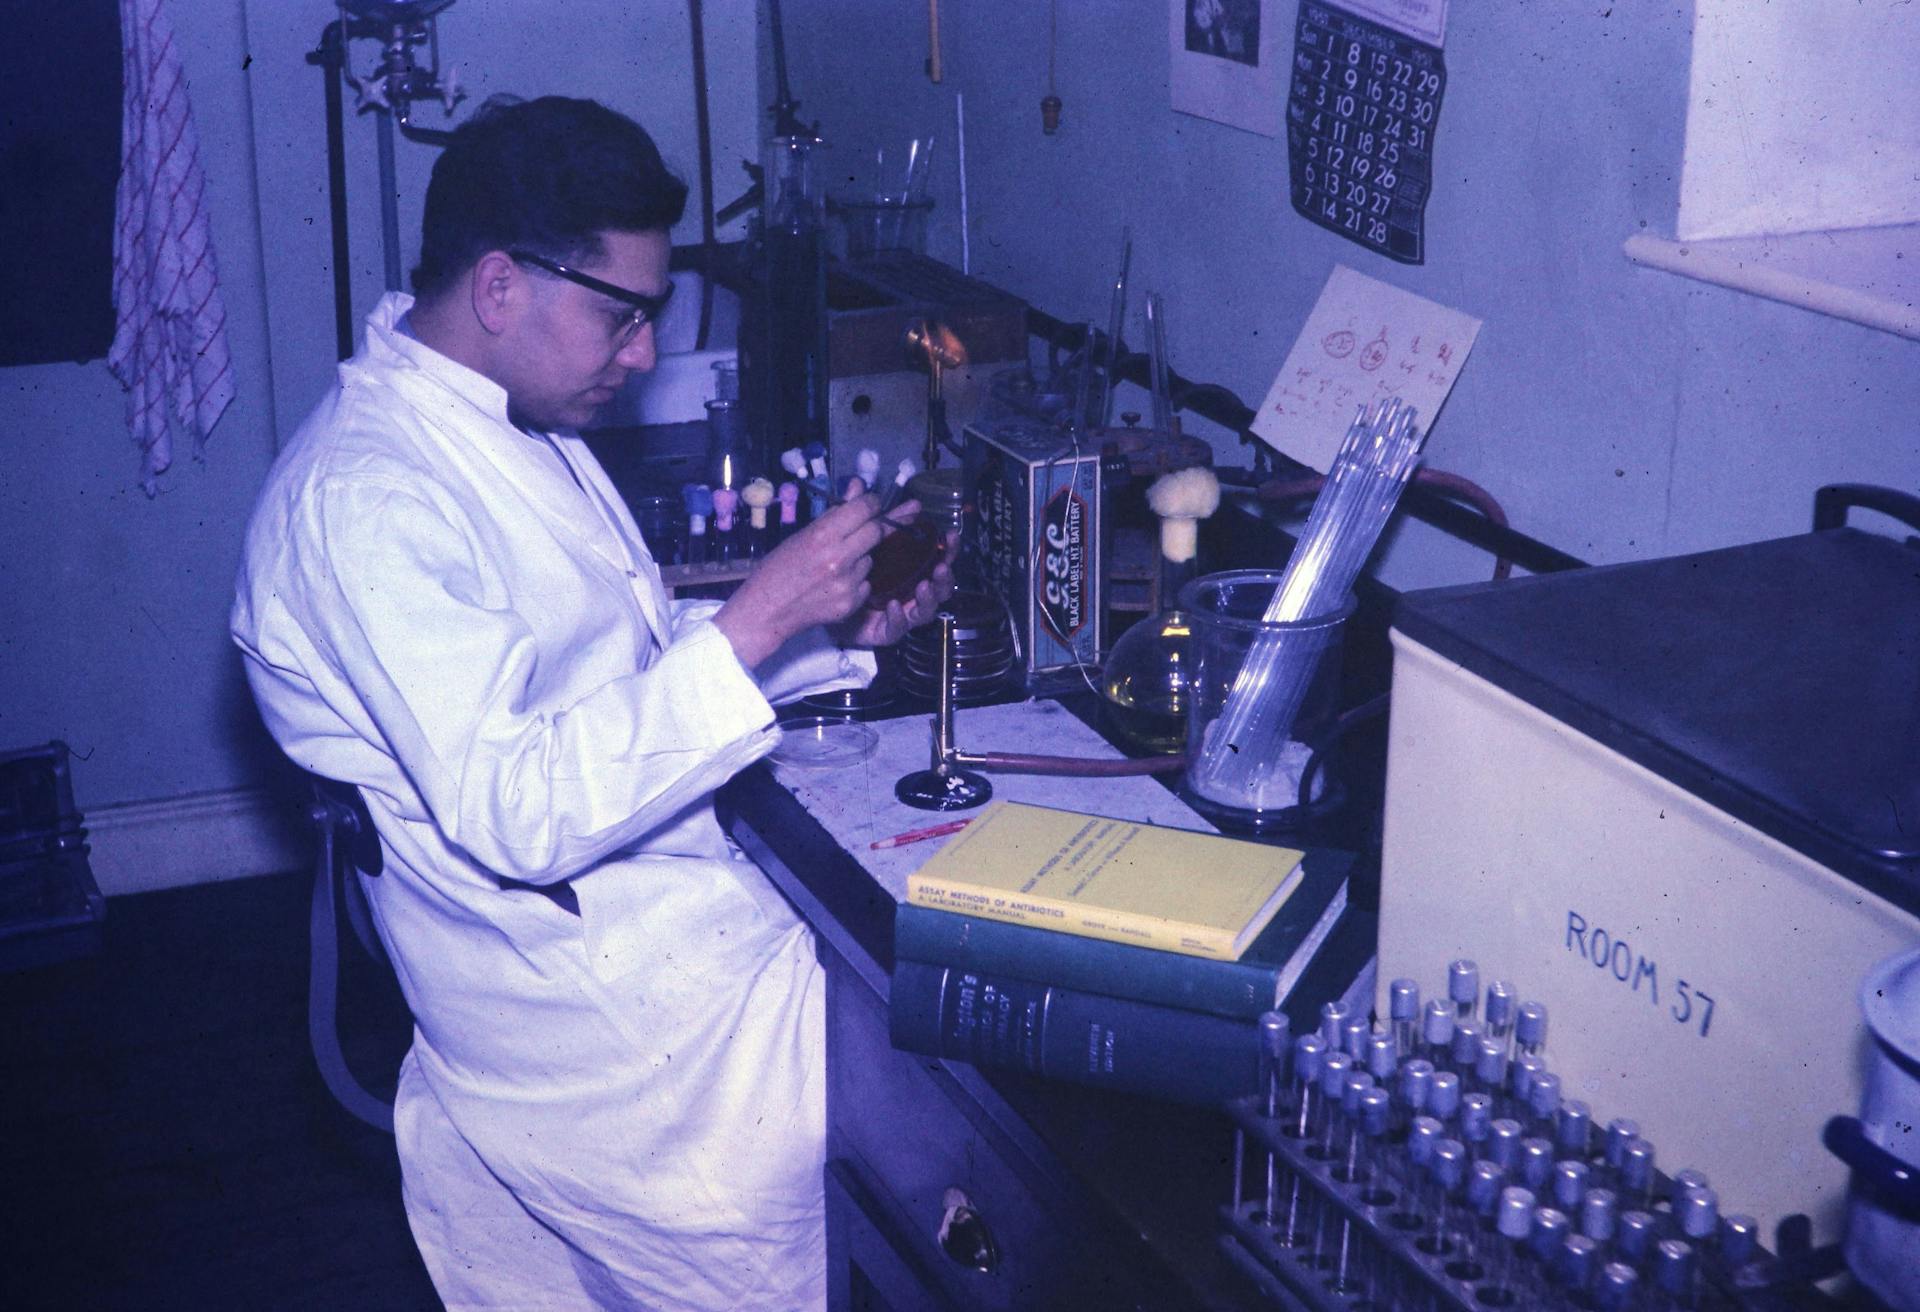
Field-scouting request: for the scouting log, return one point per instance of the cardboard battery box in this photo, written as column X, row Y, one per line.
column 1035, row 537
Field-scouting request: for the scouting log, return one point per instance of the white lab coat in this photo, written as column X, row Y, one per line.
column 631, row 1098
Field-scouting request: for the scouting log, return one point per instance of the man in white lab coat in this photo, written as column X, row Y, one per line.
column 614, row 1094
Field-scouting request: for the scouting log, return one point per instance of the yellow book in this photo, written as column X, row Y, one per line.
column 1171, row 889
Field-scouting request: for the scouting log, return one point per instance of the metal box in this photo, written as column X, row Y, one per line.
column 1036, row 537
column 1674, row 801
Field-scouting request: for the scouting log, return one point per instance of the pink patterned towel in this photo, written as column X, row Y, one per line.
column 170, row 340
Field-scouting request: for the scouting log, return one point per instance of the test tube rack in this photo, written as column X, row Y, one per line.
column 1338, row 1204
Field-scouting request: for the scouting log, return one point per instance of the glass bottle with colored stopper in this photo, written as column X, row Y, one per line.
column 756, row 496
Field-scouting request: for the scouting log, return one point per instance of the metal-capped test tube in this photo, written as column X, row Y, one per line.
column 1476, row 1122
column 1686, row 1179
column 1355, row 1033
column 1415, row 1086
column 1599, row 1214
column 1467, row 1034
column 1500, row 1005
column 1636, row 1172
column 1274, row 1033
column 1503, row 1144
column 1617, row 1287
column 1490, row 1067
column 1463, row 987
column 1383, row 1058
column 1674, row 1266
column 1536, row 1163
column 1403, row 1012
column 1569, row 1184
column 1621, row 1131
column 1530, row 1028
column 1443, row 1098
column 1333, row 1016
column 1333, row 1084
column 1550, row 1227
column 1543, row 1104
column 1739, row 1239
column 1423, row 1132
column 1449, row 1172
column 1574, row 1267
column 1436, row 1032
column 1309, row 1053
column 1522, row 1071
column 1634, row 1234
column 1513, row 1222
column 1573, row 1128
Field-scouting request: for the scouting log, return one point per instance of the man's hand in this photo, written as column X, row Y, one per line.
column 817, row 576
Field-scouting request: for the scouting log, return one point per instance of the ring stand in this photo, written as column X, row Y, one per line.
column 944, row 786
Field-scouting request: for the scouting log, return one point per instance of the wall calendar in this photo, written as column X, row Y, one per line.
column 1360, row 120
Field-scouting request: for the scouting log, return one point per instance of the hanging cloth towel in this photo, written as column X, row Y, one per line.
column 170, row 338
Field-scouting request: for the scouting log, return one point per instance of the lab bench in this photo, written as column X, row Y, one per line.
column 1083, row 1198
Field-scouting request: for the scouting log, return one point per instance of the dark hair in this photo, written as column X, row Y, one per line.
column 547, row 175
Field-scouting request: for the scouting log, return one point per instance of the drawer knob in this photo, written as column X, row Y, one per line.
column 963, row 1234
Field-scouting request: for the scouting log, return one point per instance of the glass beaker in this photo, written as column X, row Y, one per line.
column 1259, row 691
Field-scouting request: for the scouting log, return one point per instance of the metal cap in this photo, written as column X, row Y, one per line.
column 1466, row 1043
column 1698, row 1213
column 1515, row 1217
column 1550, row 1226
column 1476, row 1117
column 1355, row 1031
column 1332, row 1016
column 1614, row 1291
column 1490, row 1063
column 1443, row 1099
column 1422, row 1135
column 1688, row 1179
column 1463, row 982
column 1620, row 1132
column 1501, row 1002
column 1578, row 1257
column 1403, row 1000
column 1543, row 1099
column 1274, row 1033
column 1485, row 1180
column 1536, row 1163
column 1356, row 1083
column 1530, row 1025
column 1673, row 1266
column 1599, row 1214
column 1309, row 1051
column 1416, row 1084
column 1436, row 1023
column 1569, row 1184
column 1376, row 1112
column 1383, row 1054
column 1636, row 1165
column 1634, row 1233
column 1573, row 1128
column 1522, row 1071
column 1333, row 1074
column 1739, row 1239
column 1450, row 1164
column 1503, row 1143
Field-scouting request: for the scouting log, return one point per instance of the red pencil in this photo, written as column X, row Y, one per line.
column 915, row 835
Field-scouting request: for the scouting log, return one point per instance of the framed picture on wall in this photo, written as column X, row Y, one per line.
column 1226, row 62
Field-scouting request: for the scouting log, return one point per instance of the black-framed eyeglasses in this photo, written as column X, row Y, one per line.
column 646, row 309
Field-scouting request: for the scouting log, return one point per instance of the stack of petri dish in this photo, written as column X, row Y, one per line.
column 983, row 651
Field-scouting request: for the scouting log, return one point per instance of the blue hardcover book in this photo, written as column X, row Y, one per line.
column 1236, row 990
column 1003, row 1022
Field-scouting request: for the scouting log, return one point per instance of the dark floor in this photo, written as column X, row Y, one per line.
column 165, row 1140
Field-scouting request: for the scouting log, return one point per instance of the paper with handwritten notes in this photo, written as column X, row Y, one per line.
column 1365, row 340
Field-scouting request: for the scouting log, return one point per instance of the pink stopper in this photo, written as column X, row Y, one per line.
column 789, row 495
column 725, row 499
